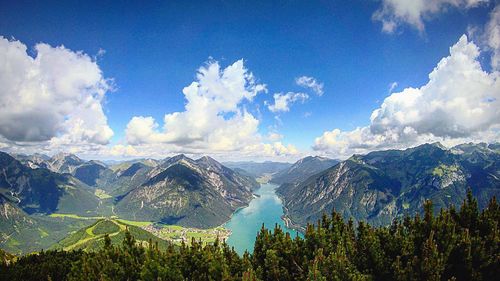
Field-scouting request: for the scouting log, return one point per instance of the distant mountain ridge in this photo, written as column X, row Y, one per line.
column 92, row 173
column 41, row 190
column 258, row 169
column 302, row 169
column 383, row 185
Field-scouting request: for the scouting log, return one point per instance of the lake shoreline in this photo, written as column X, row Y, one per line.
column 246, row 222
column 289, row 222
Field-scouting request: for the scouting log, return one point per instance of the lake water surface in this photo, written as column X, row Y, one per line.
column 246, row 222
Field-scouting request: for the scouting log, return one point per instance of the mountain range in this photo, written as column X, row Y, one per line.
column 303, row 169
column 385, row 185
column 258, row 169
column 43, row 199
column 41, row 195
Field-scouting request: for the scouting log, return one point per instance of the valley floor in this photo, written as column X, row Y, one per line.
column 172, row 233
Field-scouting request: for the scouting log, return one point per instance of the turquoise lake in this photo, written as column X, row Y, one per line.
column 246, row 222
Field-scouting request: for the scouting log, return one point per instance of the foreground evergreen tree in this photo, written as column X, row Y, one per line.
column 454, row 245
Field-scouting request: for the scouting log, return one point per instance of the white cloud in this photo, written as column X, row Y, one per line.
column 492, row 33
column 271, row 149
column 460, row 102
column 393, row 13
column 123, row 150
column 53, row 102
column 214, row 121
column 273, row 136
column 52, row 99
column 256, row 151
column 311, row 83
column 214, row 117
column 142, row 130
column 282, row 102
column 392, row 86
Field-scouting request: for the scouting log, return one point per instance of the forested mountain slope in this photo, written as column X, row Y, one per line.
column 384, row 185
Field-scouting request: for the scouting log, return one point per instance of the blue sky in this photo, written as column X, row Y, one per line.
column 153, row 49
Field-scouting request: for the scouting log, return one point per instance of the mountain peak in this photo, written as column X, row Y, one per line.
column 438, row 144
column 176, row 158
column 208, row 160
column 304, row 168
column 66, row 156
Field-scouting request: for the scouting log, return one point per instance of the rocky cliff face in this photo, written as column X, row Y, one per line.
column 64, row 163
column 385, row 185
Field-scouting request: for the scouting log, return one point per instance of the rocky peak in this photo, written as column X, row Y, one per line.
column 64, row 162
column 208, row 162
column 168, row 162
column 66, row 158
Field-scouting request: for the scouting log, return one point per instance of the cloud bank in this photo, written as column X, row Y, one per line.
column 459, row 103
column 52, row 99
column 394, row 13
column 492, row 34
column 214, row 119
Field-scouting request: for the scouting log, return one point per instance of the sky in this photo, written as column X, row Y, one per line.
column 247, row 80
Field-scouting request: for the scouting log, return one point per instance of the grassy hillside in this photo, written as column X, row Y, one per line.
column 26, row 234
column 91, row 238
column 457, row 244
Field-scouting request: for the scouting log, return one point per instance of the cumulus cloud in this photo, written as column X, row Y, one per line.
column 255, row 151
column 122, row 150
column 214, row 121
column 214, row 117
column 310, row 83
column 54, row 98
column 273, row 136
column 460, row 102
column 282, row 102
column 394, row 13
column 492, row 33
column 271, row 149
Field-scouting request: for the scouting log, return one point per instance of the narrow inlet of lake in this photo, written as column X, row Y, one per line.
column 245, row 223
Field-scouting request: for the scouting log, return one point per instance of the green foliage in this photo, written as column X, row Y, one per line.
column 442, row 170
column 50, row 265
column 463, row 245
column 104, row 227
column 91, row 238
column 385, row 185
